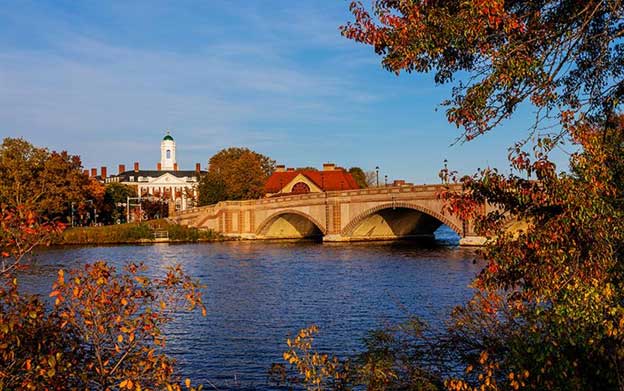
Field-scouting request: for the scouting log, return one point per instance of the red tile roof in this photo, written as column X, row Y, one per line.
column 337, row 179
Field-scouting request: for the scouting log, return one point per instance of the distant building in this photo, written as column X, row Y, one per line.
column 286, row 181
column 165, row 182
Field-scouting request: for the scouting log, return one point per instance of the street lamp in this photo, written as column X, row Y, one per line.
column 386, row 180
column 377, row 172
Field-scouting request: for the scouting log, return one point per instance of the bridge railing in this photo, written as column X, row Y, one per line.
column 330, row 194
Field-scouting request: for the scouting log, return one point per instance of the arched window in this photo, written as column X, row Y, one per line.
column 300, row 188
column 168, row 154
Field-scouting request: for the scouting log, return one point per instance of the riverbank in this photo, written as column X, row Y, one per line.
column 156, row 231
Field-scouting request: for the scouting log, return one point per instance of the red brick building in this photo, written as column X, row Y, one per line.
column 286, row 181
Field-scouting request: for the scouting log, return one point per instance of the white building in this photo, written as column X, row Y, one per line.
column 179, row 187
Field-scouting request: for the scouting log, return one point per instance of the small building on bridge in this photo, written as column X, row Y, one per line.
column 289, row 181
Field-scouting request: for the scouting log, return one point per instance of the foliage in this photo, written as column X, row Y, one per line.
column 119, row 317
column 132, row 233
column 190, row 234
column 225, row 161
column 115, row 194
column 34, row 353
column 564, row 57
column 360, row 177
column 21, row 230
column 548, row 311
column 21, row 165
column 154, row 208
column 235, row 174
column 391, row 361
column 104, row 331
column 548, row 308
column 43, row 181
column 212, row 189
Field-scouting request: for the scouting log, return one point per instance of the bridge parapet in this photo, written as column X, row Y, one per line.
column 364, row 214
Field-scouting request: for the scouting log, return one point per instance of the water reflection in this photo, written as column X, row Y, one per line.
column 259, row 293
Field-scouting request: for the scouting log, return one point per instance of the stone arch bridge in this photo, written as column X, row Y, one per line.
column 381, row 213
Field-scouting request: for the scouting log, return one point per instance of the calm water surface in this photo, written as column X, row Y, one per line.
column 260, row 293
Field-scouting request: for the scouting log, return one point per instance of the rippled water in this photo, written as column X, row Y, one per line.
column 260, row 293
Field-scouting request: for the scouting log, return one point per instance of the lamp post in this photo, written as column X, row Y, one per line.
column 377, row 173
column 385, row 180
column 445, row 179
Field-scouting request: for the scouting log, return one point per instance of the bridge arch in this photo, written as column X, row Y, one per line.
column 290, row 224
column 401, row 210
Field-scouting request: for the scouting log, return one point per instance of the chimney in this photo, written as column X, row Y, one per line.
column 159, row 166
column 280, row 168
column 175, row 166
column 136, row 166
column 290, row 169
column 85, row 172
column 103, row 172
column 329, row 166
column 122, row 168
column 94, row 172
column 198, row 167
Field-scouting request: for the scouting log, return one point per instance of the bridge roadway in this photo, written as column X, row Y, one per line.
column 378, row 213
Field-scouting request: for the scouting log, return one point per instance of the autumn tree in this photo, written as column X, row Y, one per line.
column 63, row 181
column 21, row 231
column 43, row 181
column 211, row 189
column 116, row 194
column 104, row 331
column 563, row 57
column 235, row 174
column 154, row 208
column 21, row 165
column 360, row 177
column 547, row 313
column 118, row 317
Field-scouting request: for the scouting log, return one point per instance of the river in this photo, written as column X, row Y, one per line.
column 257, row 294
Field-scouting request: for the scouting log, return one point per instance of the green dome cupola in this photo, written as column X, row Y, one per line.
column 167, row 153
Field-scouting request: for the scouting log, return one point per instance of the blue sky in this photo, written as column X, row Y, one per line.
column 104, row 79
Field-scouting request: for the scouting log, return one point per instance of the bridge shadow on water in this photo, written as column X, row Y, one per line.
column 444, row 236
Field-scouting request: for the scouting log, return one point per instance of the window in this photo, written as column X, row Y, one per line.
column 300, row 188
column 168, row 154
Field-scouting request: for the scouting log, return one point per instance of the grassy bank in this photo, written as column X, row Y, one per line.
column 134, row 233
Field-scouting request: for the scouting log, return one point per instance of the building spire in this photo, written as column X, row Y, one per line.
column 167, row 152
